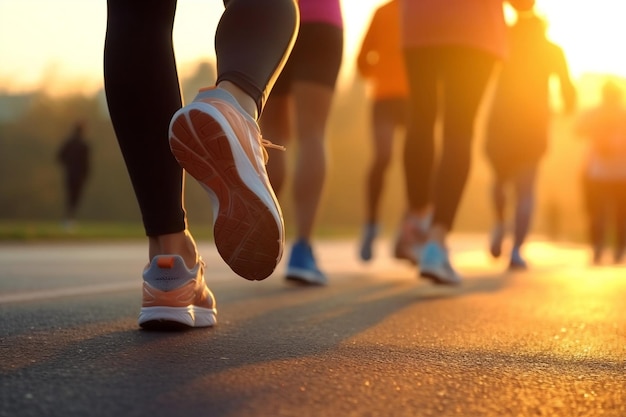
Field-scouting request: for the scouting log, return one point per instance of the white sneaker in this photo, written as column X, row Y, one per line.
column 435, row 265
column 174, row 296
column 220, row 145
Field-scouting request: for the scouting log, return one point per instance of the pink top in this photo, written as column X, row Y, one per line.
column 474, row 23
column 321, row 11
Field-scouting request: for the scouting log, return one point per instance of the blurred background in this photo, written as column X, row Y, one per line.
column 51, row 76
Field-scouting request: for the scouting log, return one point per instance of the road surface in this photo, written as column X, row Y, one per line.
column 376, row 342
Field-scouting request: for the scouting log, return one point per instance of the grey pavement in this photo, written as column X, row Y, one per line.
column 377, row 341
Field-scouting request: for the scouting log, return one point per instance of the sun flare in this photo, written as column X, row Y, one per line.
column 592, row 34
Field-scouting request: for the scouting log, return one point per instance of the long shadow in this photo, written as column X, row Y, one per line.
column 130, row 372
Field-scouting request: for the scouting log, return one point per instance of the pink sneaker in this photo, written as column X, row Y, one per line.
column 220, row 145
column 175, row 296
column 411, row 238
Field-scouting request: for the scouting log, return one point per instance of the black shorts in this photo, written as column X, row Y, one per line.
column 316, row 57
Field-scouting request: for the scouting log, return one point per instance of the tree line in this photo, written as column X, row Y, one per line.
column 31, row 181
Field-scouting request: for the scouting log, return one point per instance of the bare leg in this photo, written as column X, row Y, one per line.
column 498, row 198
column 383, row 129
column 525, row 196
column 276, row 126
column 312, row 104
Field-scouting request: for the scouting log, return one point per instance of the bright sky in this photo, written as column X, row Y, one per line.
column 60, row 42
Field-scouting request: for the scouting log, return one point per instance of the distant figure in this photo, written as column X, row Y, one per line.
column 74, row 157
column 302, row 100
column 451, row 48
column 517, row 132
column 604, row 172
column 381, row 63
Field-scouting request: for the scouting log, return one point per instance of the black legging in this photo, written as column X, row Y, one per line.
column 448, row 81
column 252, row 42
column 606, row 208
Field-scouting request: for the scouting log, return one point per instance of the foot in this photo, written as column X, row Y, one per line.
column 220, row 145
column 517, row 262
column 495, row 243
column 435, row 265
column 302, row 267
column 174, row 296
column 411, row 239
column 370, row 231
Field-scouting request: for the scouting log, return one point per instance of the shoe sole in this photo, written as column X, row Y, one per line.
column 304, row 279
column 247, row 229
column 304, row 276
column 517, row 267
column 437, row 278
column 176, row 318
column 403, row 255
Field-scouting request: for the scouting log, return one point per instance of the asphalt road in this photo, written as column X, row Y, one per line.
column 376, row 342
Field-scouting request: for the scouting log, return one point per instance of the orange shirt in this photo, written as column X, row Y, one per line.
column 474, row 23
column 381, row 60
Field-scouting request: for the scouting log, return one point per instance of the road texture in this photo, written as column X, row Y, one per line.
column 377, row 341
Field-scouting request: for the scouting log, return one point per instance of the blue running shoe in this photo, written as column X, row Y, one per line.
column 435, row 265
column 302, row 267
column 517, row 263
column 370, row 231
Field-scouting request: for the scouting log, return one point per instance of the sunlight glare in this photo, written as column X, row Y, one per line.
column 591, row 33
column 44, row 52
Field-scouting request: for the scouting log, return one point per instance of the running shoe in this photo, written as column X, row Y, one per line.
column 517, row 262
column 220, row 145
column 495, row 243
column 435, row 265
column 174, row 296
column 302, row 267
column 370, row 231
column 410, row 239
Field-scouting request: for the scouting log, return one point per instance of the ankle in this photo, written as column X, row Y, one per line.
column 180, row 243
column 245, row 101
column 438, row 234
column 421, row 214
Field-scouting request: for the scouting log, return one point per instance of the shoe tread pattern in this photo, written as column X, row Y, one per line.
column 245, row 230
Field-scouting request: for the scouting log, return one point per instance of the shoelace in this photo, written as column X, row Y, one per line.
column 267, row 144
column 264, row 142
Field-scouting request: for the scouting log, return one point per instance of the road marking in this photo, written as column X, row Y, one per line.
column 67, row 292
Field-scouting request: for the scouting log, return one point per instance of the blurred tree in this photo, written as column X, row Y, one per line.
column 31, row 188
column 204, row 75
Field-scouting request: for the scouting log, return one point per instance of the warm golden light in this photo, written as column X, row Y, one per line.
column 591, row 33
column 44, row 52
